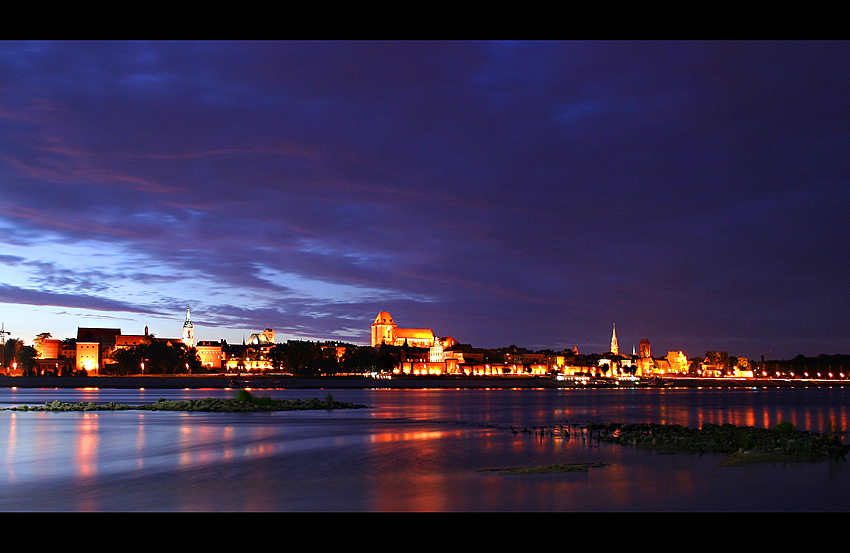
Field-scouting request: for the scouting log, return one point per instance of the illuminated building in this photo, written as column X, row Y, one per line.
column 437, row 353
column 48, row 348
column 709, row 368
column 385, row 331
column 742, row 372
column 53, row 356
column 88, row 356
column 252, row 355
column 678, row 362
column 645, row 363
column 647, row 366
column 428, row 368
column 716, row 368
column 210, row 354
column 94, row 347
column 263, row 339
column 514, row 357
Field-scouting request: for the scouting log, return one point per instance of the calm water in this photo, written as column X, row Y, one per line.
column 412, row 450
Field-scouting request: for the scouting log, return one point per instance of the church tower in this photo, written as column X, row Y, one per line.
column 188, row 331
column 615, row 348
column 645, row 350
column 383, row 329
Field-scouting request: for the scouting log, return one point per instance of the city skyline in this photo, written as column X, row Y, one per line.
column 529, row 193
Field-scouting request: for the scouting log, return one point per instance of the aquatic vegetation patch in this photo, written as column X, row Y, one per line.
column 742, row 444
column 240, row 403
column 572, row 467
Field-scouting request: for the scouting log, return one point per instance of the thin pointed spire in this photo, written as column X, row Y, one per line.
column 615, row 348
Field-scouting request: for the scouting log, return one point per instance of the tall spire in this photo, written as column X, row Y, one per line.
column 615, row 348
column 188, row 331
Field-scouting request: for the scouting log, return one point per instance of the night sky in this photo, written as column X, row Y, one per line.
column 532, row 193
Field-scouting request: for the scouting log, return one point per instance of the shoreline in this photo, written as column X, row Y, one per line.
column 403, row 382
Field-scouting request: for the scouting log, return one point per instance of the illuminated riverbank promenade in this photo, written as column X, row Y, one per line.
column 399, row 382
column 395, row 354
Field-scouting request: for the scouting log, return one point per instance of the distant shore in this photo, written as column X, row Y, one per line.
column 334, row 382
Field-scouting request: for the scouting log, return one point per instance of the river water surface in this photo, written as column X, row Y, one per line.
column 411, row 450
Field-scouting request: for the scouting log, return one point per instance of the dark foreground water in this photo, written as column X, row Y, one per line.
column 412, row 450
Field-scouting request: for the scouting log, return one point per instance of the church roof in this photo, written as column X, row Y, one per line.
column 259, row 339
column 105, row 336
column 383, row 318
column 129, row 339
column 414, row 333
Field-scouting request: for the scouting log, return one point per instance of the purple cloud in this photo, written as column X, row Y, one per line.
column 499, row 192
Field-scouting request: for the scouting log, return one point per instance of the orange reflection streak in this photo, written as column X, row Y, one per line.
column 191, row 435
column 765, row 419
column 202, row 443
column 621, row 487
column 426, row 487
column 11, row 438
column 427, row 481
column 141, row 441
column 86, row 444
column 228, row 434
column 388, row 437
column 422, row 493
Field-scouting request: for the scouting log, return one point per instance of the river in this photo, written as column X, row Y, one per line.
column 429, row 450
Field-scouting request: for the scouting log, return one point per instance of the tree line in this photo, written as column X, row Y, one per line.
column 300, row 358
column 15, row 351
column 154, row 356
column 304, row 358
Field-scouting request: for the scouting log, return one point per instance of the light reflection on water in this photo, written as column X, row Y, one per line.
column 412, row 450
